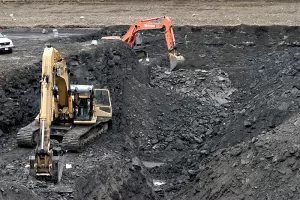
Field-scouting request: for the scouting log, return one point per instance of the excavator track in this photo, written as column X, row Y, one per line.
column 28, row 135
column 79, row 135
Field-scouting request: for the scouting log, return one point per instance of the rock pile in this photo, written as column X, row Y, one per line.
column 211, row 86
column 266, row 167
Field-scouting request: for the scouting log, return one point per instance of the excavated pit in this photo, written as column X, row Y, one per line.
column 237, row 83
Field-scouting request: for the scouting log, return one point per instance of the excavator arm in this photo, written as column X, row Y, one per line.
column 150, row 24
column 56, row 102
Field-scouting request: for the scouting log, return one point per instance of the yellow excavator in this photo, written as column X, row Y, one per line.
column 70, row 116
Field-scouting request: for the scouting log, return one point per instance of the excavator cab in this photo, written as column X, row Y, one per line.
column 90, row 104
column 83, row 110
column 102, row 103
column 82, row 103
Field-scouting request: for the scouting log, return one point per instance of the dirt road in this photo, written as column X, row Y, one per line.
column 197, row 13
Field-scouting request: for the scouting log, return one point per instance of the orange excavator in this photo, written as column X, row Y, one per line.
column 133, row 38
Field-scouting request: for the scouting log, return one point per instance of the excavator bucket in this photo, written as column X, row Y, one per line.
column 47, row 166
column 175, row 60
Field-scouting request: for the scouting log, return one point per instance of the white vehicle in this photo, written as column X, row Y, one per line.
column 5, row 44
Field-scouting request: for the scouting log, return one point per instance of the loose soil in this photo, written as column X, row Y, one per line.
column 89, row 13
column 221, row 126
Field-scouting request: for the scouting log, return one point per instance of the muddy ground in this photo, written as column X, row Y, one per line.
column 219, row 127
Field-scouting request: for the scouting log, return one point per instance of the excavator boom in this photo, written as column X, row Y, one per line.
column 48, row 162
column 150, row 24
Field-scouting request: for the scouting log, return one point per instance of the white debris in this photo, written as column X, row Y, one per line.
column 68, row 166
column 81, row 17
column 94, row 42
column 11, row 15
column 55, row 33
column 158, row 182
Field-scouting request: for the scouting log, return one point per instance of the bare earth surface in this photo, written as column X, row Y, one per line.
column 120, row 13
column 224, row 125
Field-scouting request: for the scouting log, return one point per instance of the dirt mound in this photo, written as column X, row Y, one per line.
column 98, row 171
column 13, row 191
column 115, row 179
column 264, row 168
column 177, row 112
column 237, row 83
column 108, row 66
column 16, row 93
column 111, row 65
